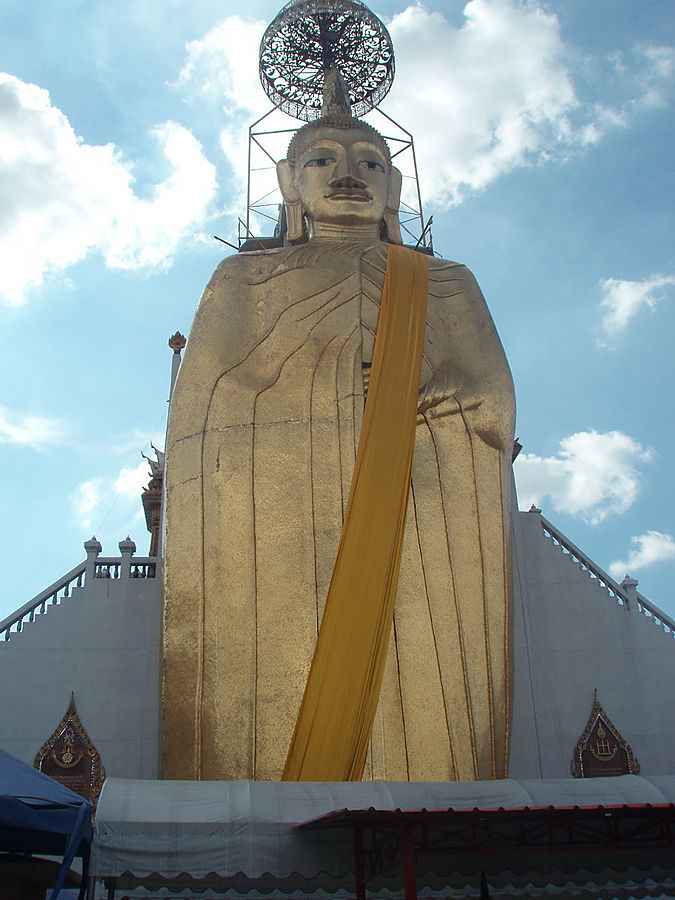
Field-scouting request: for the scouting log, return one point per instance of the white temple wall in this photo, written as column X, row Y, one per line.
column 101, row 643
column 571, row 637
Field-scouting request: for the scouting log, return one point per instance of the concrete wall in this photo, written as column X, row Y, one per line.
column 571, row 636
column 101, row 643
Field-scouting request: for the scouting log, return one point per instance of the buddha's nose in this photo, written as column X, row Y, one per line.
column 344, row 175
column 347, row 180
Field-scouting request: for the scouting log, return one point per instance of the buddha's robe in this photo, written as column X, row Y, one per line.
column 263, row 431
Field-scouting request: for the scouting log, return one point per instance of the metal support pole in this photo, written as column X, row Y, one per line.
column 419, row 193
column 358, row 864
column 417, row 180
column 251, row 138
column 248, row 180
column 408, row 853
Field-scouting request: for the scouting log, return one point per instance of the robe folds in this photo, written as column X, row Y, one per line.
column 263, row 431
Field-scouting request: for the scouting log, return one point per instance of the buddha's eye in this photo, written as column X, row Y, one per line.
column 320, row 161
column 372, row 165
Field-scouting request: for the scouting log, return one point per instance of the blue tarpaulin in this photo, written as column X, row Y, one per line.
column 39, row 815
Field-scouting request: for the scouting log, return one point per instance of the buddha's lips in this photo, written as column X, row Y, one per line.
column 348, row 194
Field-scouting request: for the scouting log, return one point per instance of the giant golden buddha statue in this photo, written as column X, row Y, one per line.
column 261, row 499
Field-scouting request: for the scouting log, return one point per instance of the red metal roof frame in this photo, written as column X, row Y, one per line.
column 387, row 839
column 339, row 816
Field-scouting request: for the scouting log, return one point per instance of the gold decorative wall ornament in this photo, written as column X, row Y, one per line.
column 69, row 757
column 601, row 750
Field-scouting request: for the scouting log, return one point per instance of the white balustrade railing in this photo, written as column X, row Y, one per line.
column 112, row 567
column 655, row 614
column 51, row 596
column 94, row 567
column 628, row 598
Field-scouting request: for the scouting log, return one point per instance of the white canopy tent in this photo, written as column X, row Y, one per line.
column 240, row 837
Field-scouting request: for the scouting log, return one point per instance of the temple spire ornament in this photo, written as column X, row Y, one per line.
column 335, row 96
column 309, row 39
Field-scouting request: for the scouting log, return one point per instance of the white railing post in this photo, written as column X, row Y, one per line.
column 629, row 586
column 93, row 548
column 127, row 549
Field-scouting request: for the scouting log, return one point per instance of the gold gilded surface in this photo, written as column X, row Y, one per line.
column 264, row 426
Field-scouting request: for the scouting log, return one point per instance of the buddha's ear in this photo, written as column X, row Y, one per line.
column 391, row 221
column 286, row 182
column 291, row 201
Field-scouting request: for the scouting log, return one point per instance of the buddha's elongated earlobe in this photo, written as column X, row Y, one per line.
column 294, row 216
column 391, row 221
column 294, row 222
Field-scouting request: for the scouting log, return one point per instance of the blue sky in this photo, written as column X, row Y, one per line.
column 544, row 135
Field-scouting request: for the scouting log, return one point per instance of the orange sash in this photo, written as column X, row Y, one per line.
column 336, row 715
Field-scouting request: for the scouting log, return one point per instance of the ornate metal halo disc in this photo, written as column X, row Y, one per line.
column 309, row 36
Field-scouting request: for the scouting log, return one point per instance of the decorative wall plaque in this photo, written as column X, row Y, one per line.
column 69, row 757
column 601, row 750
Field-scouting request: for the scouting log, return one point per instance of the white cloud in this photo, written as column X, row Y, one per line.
column 147, row 232
column 223, row 65
column 498, row 92
column 28, row 430
column 222, row 68
column 61, row 198
column 92, row 500
column 86, row 500
column 594, row 475
column 131, row 480
column 623, row 300
column 648, row 548
column 657, row 65
column 481, row 99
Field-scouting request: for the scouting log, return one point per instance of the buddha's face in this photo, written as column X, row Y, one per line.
column 342, row 176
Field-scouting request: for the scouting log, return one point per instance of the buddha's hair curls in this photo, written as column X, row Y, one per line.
column 335, row 120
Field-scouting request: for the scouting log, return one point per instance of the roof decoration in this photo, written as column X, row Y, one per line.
column 601, row 750
column 69, row 757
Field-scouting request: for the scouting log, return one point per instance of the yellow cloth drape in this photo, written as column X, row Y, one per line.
column 333, row 727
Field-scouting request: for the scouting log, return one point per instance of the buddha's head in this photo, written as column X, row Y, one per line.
column 339, row 172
